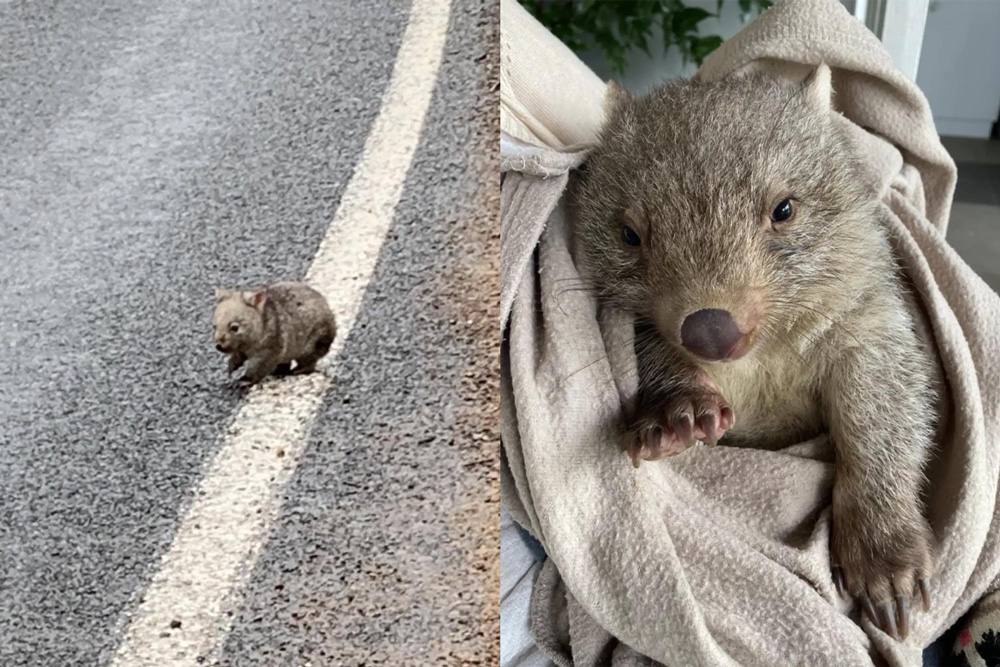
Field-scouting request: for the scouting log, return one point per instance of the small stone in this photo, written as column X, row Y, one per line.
column 174, row 624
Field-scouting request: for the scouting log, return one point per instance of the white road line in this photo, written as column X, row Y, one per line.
column 220, row 535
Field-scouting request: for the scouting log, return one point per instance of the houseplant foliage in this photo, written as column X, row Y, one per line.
column 618, row 26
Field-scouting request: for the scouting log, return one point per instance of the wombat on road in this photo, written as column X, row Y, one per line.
column 733, row 220
column 269, row 328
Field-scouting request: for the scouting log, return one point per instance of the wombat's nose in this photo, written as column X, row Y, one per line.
column 710, row 333
column 218, row 346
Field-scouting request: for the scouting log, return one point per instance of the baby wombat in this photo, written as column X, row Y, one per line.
column 733, row 220
column 269, row 328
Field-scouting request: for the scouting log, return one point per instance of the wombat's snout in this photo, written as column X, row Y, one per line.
column 218, row 346
column 714, row 334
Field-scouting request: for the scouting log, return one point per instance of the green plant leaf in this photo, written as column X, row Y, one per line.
column 702, row 46
column 666, row 29
column 687, row 20
column 617, row 26
column 613, row 50
column 643, row 43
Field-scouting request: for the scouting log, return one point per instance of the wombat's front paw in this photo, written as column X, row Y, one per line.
column 236, row 384
column 234, row 363
column 698, row 413
column 883, row 566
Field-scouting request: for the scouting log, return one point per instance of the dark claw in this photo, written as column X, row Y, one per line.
column 709, row 423
column 838, row 581
column 652, row 438
column 684, row 427
column 887, row 619
column 903, row 615
column 726, row 418
column 869, row 609
column 924, row 593
column 238, row 383
column 646, row 440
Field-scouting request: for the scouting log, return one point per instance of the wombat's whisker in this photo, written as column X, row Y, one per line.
column 836, row 323
column 581, row 288
column 773, row 334
column 641, row 338
column 580, row 370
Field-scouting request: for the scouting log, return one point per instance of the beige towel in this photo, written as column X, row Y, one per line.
column 720, row 556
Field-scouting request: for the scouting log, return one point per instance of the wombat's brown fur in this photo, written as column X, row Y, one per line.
column 269, row 328
column 733, row 220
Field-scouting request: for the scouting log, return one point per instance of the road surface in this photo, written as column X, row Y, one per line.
column 151, row 151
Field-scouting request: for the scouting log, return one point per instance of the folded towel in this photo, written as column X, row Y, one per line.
column 720, row 556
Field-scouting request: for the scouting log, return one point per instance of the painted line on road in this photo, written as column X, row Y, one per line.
column 181, row 617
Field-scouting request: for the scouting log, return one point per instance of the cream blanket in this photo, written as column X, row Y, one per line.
column 719, row 556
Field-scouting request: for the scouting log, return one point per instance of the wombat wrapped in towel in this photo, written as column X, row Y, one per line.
column 722, row 555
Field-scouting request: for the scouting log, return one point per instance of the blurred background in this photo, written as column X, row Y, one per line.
column 949, row 47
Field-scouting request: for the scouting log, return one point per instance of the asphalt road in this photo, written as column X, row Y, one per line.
column 151, row 151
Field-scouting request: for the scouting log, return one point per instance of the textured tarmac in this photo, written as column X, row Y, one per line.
column 151, row 151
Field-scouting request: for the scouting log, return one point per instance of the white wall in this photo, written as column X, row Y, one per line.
column 960, row 65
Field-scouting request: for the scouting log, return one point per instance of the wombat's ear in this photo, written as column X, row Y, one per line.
column 255, row 299
column 818, row 89
column 221, row 294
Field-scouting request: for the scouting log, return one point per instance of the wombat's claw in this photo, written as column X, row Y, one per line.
column 702, row 416
column 903, row 618
column 903, row 607
column 887, row 619
column 238, row 383
column 709, row 428
column 869, row 609
column 652, row 443
column 727, row 418
column 709, row 416
column 892, row 616
column 838, row 581
column 925, row 595
column 714, row 423
column 883, row 572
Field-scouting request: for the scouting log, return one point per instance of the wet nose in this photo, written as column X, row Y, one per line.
column 218, row 346
column 710, row 333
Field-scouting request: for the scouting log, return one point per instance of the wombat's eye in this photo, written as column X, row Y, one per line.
column 783, row 212
column 630, row 236
column 234, row 327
